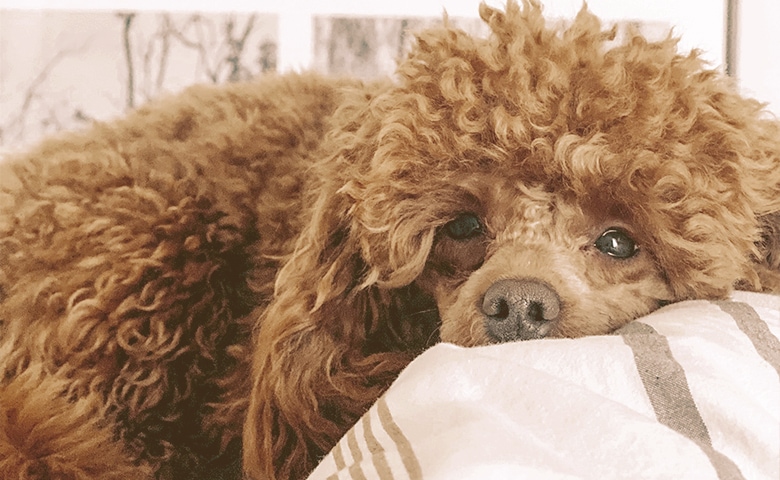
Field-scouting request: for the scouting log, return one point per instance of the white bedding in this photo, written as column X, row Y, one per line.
column 691, row 391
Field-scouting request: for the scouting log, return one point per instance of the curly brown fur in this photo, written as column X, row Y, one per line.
column 268, row 256
column 134, row 255
column 43, row 435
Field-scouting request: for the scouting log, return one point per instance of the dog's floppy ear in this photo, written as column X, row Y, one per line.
column 764, row 192
column 316, row 369
column 312, row 372
column 302, row 337
column 748, row 136
column 769, row 248
column 727, row 198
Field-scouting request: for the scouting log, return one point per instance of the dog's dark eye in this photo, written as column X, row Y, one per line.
column 615, row 242
column 465, row 226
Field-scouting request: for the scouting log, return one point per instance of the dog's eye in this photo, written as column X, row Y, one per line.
column 615, row 242
column 465, row 226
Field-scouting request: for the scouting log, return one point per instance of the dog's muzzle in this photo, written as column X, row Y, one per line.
column 519, row 309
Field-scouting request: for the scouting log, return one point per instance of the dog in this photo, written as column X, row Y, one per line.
column 225, row 280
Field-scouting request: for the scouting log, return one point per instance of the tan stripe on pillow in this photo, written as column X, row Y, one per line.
column 377, row 451
column 408, row 457
column 756, row 329
column 667, row 388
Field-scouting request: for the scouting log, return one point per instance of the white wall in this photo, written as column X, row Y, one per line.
column 758, row 65
column 700, row 22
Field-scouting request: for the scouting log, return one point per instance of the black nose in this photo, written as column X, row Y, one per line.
column 517, row 309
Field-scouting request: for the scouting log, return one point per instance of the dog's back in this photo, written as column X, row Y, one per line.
column 133, row 257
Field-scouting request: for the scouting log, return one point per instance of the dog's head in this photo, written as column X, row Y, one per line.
column 538, row 182
column 549, row 182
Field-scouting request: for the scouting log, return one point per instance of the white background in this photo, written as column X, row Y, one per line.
column 701, row 23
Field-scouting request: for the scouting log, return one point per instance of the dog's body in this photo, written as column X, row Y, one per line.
column 150, row 245
column 261, row 260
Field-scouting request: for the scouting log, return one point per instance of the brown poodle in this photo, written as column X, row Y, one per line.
column 259, row 261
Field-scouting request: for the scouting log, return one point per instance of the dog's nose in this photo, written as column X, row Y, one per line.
column 519, row 309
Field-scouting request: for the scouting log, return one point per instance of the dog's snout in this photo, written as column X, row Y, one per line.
column 519, row 309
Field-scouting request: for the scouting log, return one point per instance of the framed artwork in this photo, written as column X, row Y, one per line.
column 65, row 63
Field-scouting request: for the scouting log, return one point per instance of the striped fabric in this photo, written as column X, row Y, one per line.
column 690, row 391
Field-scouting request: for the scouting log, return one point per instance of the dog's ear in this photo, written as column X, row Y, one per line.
column 317, row 367
column 766, row 200
column 761, row 166
column 768, row 264
column 301, row 338
column 747, row 136
column 723, row 195
column 313, row 375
